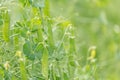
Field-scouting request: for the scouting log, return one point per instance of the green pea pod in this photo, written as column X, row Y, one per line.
column 23, row 70
column 6, row 26
column 45, row 64
column 39, row 34
column 16, row 42
column 46, row 8
column 50, row 37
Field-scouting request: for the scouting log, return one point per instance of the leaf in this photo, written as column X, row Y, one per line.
column 66, row 77
column 27, row 49
column 39, row 51
column 23, row 2
column 1, row 20
column 23, row 32
column 6, row 75
column 37, row 3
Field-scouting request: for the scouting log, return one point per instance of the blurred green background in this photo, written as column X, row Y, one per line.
column 96, row 23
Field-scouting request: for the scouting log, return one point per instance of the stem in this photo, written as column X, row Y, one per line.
column 42, row 20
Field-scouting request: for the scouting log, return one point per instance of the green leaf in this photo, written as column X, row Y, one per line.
column 1, row 20
column 27, row 49
column 23, row 32
column 6, row 75
column 39, row 51
column 23, row 2
column 37, row 3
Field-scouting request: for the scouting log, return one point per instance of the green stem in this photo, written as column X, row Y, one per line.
column 42, row 20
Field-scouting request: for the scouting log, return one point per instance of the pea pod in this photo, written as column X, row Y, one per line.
column 6, row 26
column 23, row 70
column 40, row 35
column 46, row 8
column 50, row 37
column 45, row 63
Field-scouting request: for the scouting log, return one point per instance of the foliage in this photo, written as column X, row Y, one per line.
column 96, row 24
column 59, row 40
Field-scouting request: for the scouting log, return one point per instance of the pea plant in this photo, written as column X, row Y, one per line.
column 34, row 45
